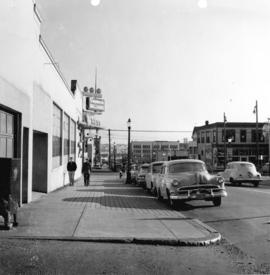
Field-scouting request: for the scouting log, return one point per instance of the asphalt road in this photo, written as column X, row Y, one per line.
column 243, row 219
column 65, row 257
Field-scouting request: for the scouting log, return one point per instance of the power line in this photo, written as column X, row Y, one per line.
column 149, row 131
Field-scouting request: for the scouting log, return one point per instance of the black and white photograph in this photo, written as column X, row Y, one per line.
column 134, row 137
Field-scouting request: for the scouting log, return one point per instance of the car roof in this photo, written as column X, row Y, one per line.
column 240, row 162
column 157, row 162
column 184, row 161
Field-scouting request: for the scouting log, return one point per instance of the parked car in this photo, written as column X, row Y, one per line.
column 188, row 179
column 151, row 176
column 143, row 170
column 265, row 169
column 238, row 172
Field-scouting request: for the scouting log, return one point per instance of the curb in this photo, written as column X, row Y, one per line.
column 212, row 239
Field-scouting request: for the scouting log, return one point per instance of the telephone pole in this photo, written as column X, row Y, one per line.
column 109, row 148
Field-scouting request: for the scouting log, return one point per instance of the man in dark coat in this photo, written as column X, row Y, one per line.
column 86, row 170
column 71, row 168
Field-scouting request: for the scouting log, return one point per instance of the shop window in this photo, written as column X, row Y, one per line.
column 57, row 136
column 66, row 137
column 72, row 139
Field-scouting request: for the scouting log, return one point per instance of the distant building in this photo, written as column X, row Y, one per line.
column 149, row 151
column 239, row 145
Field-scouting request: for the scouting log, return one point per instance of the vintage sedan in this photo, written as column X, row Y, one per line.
column 238, row 172
column 188, row 179
column 143, row 170
column 151, row 176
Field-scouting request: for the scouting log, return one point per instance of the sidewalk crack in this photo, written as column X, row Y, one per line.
column 168, row 228
column 79, row 221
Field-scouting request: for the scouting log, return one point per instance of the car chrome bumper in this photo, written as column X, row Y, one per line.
column 251, row 180
column 198, row 195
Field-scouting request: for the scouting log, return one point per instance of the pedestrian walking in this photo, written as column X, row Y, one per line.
column 86, row 170
column 71, row 168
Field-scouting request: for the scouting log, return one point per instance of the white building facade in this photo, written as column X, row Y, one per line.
column 39, row 113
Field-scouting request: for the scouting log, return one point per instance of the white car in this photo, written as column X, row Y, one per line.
column 238, row 172
column 151, row 176
column 188, row 179
column 141, row 174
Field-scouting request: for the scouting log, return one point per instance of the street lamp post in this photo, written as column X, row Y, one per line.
column 128, row 180
column 114, row 157
column 224, row 131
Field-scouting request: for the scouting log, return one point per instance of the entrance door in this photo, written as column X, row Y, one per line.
column 25, row 165
column 40, row 162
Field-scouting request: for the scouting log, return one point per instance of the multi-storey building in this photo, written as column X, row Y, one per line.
column 240, row 143
column 148, row 151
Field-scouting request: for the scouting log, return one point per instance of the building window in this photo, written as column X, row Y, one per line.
column 230, row 135
column 243, row 135
column 214, row 136
column 198, row 138
column 202, row 137
column 253, row 135
column 6, row 135
column 66, row 137
column 260, row 136
column 72, row 138
column 207, row 137
column 57, row 136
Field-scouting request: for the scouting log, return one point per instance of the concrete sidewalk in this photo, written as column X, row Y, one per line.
column 109, row 211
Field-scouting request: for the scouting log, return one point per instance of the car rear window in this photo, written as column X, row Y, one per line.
column 186, row 167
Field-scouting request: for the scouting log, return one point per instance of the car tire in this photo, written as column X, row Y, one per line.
column 159, row 197
column 231, row 181
column 217, row 201
column 256, row 184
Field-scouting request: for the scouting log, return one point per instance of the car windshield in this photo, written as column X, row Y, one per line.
column 144, row 169
column 157, row 168
column 187, row 167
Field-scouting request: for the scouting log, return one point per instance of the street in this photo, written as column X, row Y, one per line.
column 65, row 257
column 55, row 233
column 243, row 219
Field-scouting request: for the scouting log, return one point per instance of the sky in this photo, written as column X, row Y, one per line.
column 165, row 64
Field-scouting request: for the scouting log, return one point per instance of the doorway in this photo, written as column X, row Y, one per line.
column 40, row 162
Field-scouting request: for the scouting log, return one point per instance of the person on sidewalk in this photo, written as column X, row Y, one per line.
column 86, row 170
column 71, row 168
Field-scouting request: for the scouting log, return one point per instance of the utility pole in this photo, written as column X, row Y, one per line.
column 109, row 148
column 225, row 149
column 257, row 133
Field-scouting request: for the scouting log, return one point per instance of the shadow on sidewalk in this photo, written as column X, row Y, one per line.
column 119, row 191
column 121, row 201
